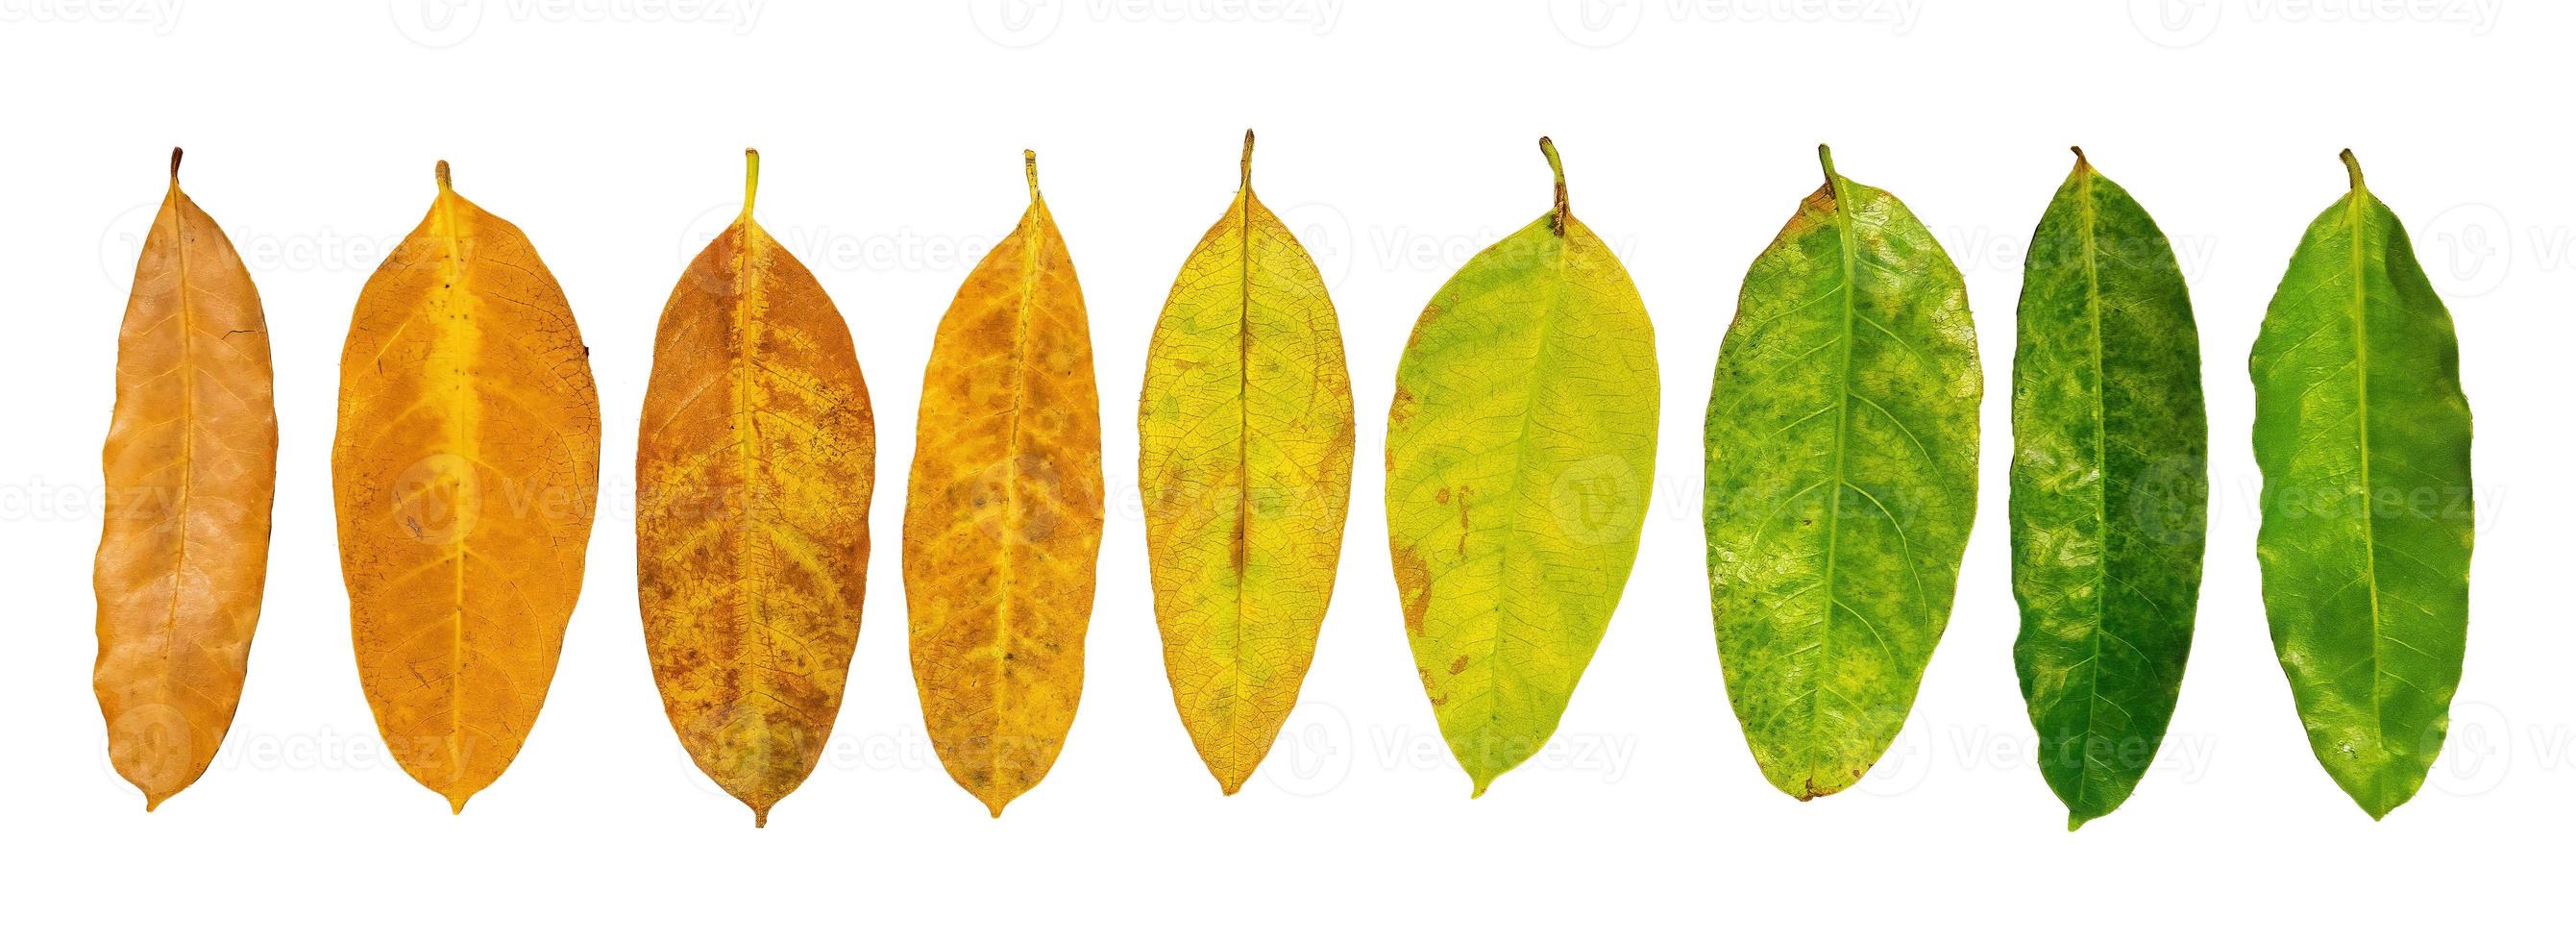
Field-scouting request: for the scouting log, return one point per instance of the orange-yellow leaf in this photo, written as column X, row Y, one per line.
column 466, row 469
column 1002, row 525
column 754, row 467
column 191, row 464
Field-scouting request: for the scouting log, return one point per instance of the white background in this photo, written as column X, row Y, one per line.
column 1398, row 139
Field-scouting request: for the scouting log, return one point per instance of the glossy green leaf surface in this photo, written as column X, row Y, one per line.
column 2110, row 490
column 1842, row 457
column 2363, row 437
column 1520, row 453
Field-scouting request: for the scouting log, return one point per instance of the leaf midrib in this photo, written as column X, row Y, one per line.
column 2101, row 482
column 1849, row 251
column 748, row 286
column 1242, row 555
column 2353, row 217
column 1562, row 227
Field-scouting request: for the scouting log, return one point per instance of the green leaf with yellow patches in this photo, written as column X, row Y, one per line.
column 1842, row 459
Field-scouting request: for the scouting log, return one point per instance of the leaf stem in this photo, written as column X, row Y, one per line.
column 1556, row 165
column 174, row 164
column 750, row 178
column 1825, row 155
column 1029, row 162
column 444, row 184
column 2080, row 162
column 2352, row 166
column 1247, row 158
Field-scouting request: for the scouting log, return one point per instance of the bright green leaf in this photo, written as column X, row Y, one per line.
column 2363, row 437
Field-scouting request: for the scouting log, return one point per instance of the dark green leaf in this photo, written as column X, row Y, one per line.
column 2110, row 490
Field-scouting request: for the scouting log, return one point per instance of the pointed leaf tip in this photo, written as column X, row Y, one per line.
column 456, row 805
column 2352, row 167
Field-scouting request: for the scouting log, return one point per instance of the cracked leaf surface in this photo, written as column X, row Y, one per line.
column 1842, row 456
column 466, row 469
column 756, row 460
column 191, row 469
column 2110, row 490
column 2362, row 433
column 1245, row 439
column 1520, row 453
column 1001, row 526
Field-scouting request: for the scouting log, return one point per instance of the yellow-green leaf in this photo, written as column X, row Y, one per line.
column 1244, row 459
column 1519, row 455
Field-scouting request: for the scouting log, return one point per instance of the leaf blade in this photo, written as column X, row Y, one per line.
column 1245, row 441
column 1868, row 472
column 2109, row 490
column 1003, row 513
column 191, row 471
column 2362, row 434
column 756, row 461
column 1544, row 335
column 465, row 471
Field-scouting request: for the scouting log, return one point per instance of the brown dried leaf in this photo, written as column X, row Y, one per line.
column 755, row 464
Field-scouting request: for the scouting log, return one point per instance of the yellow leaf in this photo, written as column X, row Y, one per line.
column 466, row 469
column 191, row 466
column 1245, row 466
column 754, row 467
column 1001, row 528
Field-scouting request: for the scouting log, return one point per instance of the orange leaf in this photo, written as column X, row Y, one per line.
column 466, row 470
column 191, row 466
column 1001, row 529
